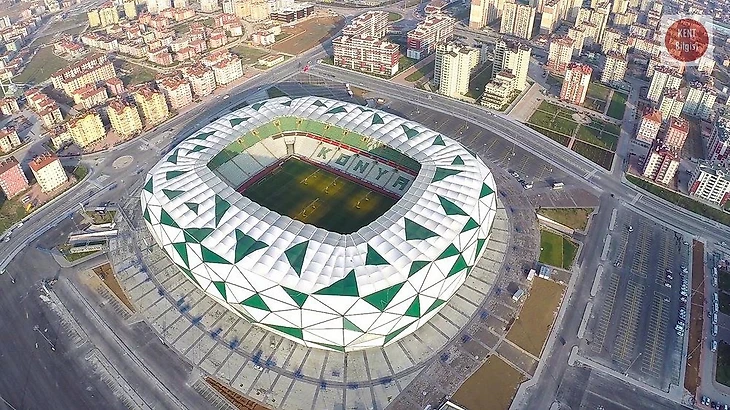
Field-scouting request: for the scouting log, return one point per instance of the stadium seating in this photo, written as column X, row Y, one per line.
column 261, row 155
column 247, row 163
column 305, row 147
column 232, row 174
column 277, row 147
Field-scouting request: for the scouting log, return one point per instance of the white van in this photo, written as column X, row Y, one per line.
column 713, row 346
column 714, row 330
column 714, row 318
column 558, row 185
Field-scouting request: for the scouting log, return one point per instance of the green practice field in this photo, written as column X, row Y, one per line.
column 313, row 195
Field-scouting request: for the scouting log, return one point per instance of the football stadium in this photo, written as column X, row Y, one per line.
column 332, row 224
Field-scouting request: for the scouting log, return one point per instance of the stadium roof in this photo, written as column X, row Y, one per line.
column 321, row 288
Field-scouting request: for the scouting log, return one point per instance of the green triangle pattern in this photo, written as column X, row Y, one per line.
column 392, row 335
column 192, row 206
column 373, row 257
column 480, row 244
column 245, row 245
column 255, row 301
column 221, row 286
column 166, row 219
column 319, row 103
column 182, row 250
column 173, row 174
column 286, row 103
column 416, row 266
column 172, row 193
column 415, row 231
column 414, row 310
column 173, row 158
column 439, row 140
column 295, row 256
column 362, row 109
column 382, row 298
column 148, row 185
column 436, row 303
column 203, row 135
column 377, row 119
column 211, row 257
column 459, row 265
column 457, row 160
column 189, row 275
column 146, row 215
column 298, row 297
column 291, row 331
column 196, row 235
column 333, row 347
column 442, row 173
column 346, row 286
column 470, row 224
column 451, row 208
column 258, row 105
column 198, row 148
column 347, row 325
column 451, row 250
column 486, row 190
column 410, row 132
column 236, row 121
column 337, row 110
column 221, row 206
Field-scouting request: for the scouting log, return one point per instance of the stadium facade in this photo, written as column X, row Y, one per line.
column 321, row 288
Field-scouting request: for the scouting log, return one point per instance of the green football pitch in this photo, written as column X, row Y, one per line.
column 313, row 195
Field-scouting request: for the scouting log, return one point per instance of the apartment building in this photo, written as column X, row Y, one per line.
column 705, row 64
column 9, row 106
column 483, row 12
column 718, row 147
column 676, row 134
column 202, row 79
column 9, row 139
column 517, row 19
column 209, row 6
column 661, row 164
column 513, row 57
column 130, row 9
column 577, row 34
column 48, row 172
column 422, row 40
column 710, row 181
column 372, row 24
column 228, row 70
column 90, row 70
column 86, row 128
column 575, row 85
column 453, row 67
column 12, row 179
column 671, row 104
column 90, row 96
column 50, row 115
column 365, row 53
column 560, row 53
column 152, row 105
column 614, row 68
column 700, row 100
column 665, row 77
column 500, row 91
column 649, row 126
column 177, row 91
column 124, row 118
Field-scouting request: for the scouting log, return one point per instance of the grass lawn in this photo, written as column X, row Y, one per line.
column 249, row 55
column 101, row 218
column 11, row 211
column 394, row 16
column 181, row 28
column 132, row 74
column 209, row 22
column 556, row 250
column 617, row 106
column 80, row 172
column 274, row 92
column 491, row 387
column 421, row 72
column 316, row 196
column 575, row 218
column 548, row 107
column 558, row 123
column 560, row 138
column 722, row 372
column 597, row 136
column 683, row 201
column 72, row 257
column 598, row 155
column 598, row 92
column 40, row 68
column 532, row 327
column 478, row 81
column 405, row 63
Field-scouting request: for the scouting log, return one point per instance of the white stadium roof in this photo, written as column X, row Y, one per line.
column 321, row 288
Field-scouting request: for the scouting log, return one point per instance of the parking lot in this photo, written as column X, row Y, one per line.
column 638, row 326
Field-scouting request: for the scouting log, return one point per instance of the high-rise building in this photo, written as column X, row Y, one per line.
column 209, row 6
column 86, row 128
column 614, row 68
column 453, row 67
column 177, row 91
column 611, row 39
column 124, row 118
column 228, row 70
column 517, row 19
column 706, row 64
column 372, row 24
column 360, row 47
column 93, row 18
column 48, row 172
column 152, row 105
column 700, row 100
column 710, row 181
column 619, row 6
column 577, row 34
column 157, row 6
column 665, row 77
column 649, row 126
column 130, row 9
column 12, row 179
column 202, row 79
column 483, row 12
column 661, row 164
column 671, row 104
column 676, row 135
column 9, row 139
column 422, row 40
column 108, row 15
column 718, row 147
column 499, row 92
column 89, row 70
column 513, row 57
column 575, row 85
column 561, row 51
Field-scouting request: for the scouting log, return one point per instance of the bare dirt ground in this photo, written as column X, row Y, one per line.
column 692, row 375
column 532, row 327
column 238, row 400
column 308, row 34
column 492, row 387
